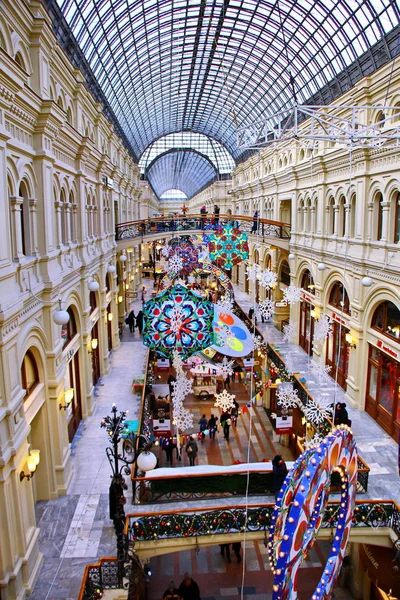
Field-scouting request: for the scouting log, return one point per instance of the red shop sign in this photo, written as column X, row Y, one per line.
column 386, row 349
column 338, row 319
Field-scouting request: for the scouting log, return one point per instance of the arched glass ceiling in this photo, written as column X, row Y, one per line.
column 174, row 195
column 182, row 170
column 208, row 66
column 216, row 153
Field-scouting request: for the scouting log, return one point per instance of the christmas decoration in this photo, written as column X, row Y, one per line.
column 175, row 263
column 191, row 279
column 291, row 294
column 178, row 319
column 225, row 305
column 258, row 342
column 268, row 279
column 226, row 367
column 253, row 272
column 224, row 401
column 177, row 363
column 322, row 328
column 289, row 331
column 300, row 508
column 319, row 369
column 266, row 308
column 187, row 252
column 181, row 388
column 318, row 409
column 183, row 420
column 232, row 337
column 287, row 397
column 228, row 247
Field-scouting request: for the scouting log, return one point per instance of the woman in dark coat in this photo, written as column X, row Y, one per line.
column 279, row 472
column 139, row 321
column 341, row 414
column 131, row 320
column 192, row 450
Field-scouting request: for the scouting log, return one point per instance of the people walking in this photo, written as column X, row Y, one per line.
column 131, row 320
column 216, row 215
column 192, row 451
column 279, row 472
column 168, row 446
column 189, row 590
column 226, row 551
column 203, row 426
column 203, row 212
column 172, row 593
column 143, row 294
column 254, row 229
column 226, row 424
column 139, row 321
column 212, row 426
column 236, row 547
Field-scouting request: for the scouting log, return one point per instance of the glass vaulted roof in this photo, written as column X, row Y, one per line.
column 207, row 66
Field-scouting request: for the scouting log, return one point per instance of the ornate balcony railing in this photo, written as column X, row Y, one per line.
column 98, row 577
column 139, row 229
column 183, row 523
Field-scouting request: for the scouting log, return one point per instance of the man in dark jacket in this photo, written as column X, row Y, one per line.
column 189, row 590
column 172, row 593
column 341, row 414
column 139, row 321
column 131, row 320
column 279, row 472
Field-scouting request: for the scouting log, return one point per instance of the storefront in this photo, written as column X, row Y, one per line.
column 383, row 379
column 94, row 338
column 306, row 330
column 337, row 351
column 71, row 348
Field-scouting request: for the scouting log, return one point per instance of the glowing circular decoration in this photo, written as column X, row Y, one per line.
column 146, row 461
column 321, row 266
column 178, row 320
column 231, row 336
column 228, row 247
column 299, row 511
column 367, row 281
column 291, row 256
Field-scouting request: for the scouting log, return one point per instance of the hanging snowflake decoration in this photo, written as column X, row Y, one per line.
column 292, row 294
column 266, row 308
column 314, row 442
column 165, row 251
column 225, row 304
column 221, row 336
column 287, row 397
column 253, row 272
column 322, row 328
column 226, row 367
column 318, row 409
column 191, row 279
column 289, row 332
column 181, row 388
column 175, row 263
column 177, row 363
column 224, row 401
column 268, row 279
column 320, row 370
column 183, row 419
column 258, row 342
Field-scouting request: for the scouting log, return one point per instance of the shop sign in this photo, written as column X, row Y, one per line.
column 386, row 349
column 283, row 424
column 308, row 299
column 72, row 349
column 338, row 319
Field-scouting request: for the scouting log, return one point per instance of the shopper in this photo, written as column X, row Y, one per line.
column 279, row 472
column 226, row 551
column 168, row 446
column 341, row 414
column 139, row 321
column 143, row 294
column 226, row 424
column 212, row 426
column 254, row 229
column 131, row 320
column 203, row 423
column 216, row 216
column 172, row 593
column 192, row 451
column 236, row 547
column 189, row 590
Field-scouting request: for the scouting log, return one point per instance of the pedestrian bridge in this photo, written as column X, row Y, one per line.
column 134, row 232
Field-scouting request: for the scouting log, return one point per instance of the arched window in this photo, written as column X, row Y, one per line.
column 378, row 213
column 396, row 113
column 108, row 282
column 342, row 217
column 20, row 61
column 386, row 319
column 64, row 232
column 69, row 331
column 339, row 297
column 24, row 215
column 92, row 301
column 380, row 119
column 307, row 282
column 331, row 224
column 29, row 373
column 72, row 216
column 69, row 115
column 353, row 216
column 285, row 272
column 396, row 237
column 300, row 225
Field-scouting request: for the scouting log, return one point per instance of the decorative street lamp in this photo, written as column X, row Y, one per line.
column 120, row 463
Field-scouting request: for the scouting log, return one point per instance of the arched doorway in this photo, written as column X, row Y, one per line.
column 94, row 341
column 337, row 351
column 69, row 334
column 383, row 379
column 306, row 329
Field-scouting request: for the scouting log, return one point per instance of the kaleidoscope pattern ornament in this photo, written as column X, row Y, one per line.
column 322, row 328
column 289, row 331
column 175, row 263
column 299, row 512
column 291, row 294
column 268, row 279
column 224, row 401
column 228, row 247
column 266, row 308
column 189, row 255
column 178, row 320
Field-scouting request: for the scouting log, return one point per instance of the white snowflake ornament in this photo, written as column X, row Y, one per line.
column 287, row 397
column 191, row 279
column 224, row 401
column 225, row 305
column 268, row 279
column 183, row 420
column 258, row 342
column 165, row 251
column 322, row 328
column 292, row 294
column 314, row 442
column 226, row 367
column 253, row 272
column 181, row 388
column 177, row 363
column 289, row 332
column 319, row 369
column 175, row 263
column 266, row 308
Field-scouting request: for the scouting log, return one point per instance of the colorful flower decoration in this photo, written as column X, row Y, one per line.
column 300, row 509
column 177, row 319
column 228, row 247
column 189, row 255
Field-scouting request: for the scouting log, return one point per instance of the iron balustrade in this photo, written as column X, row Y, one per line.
column 183, row 523
column 98, row 577
column 154, row 225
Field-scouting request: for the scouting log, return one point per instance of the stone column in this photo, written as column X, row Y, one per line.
column 385, row 220
column 347, row 217
column 58, row 208
column 34, row 250
column 16, row 233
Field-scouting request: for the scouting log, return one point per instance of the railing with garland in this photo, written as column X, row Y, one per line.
column 141, row 228
column 187, row 522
